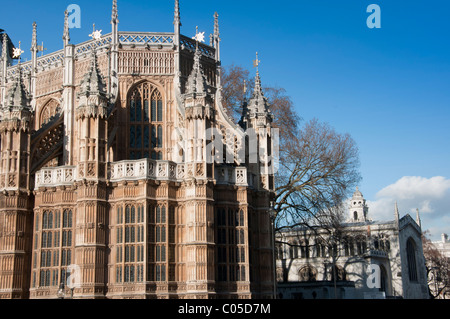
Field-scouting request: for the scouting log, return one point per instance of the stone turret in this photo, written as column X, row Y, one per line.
column 91, row 120
column 196, row 83
column 258, row 109
column 17, row 97
column 15, row 210
column 257, row 121
column 92, row 96
column 358, row 208
column 15, row 131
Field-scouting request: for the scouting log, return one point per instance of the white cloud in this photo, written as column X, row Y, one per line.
column 430, row 195
column 410, row 187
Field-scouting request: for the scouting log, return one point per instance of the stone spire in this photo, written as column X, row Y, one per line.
column 196, row 83
column 34, row 37
column 216, row 25
column 114, row 61
column 16, row 113
column 92, row 95
column 17, row 97
column 34, row 52
column 396, row 213
column 258, row 104
column 245, row 112
column 4, row 67
column 115, row 13
column 66, row 34
column 93, row 81
column 216, row 37
column 177, row 16
column 418, row 221
column 5, row 47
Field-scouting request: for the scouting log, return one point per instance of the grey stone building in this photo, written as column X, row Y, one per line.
column 374, row 259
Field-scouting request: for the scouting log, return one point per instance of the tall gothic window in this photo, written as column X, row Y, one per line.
column 231, row 248
column 53, row 246
column 412, row 263
column 146, row 117
column 129, row 248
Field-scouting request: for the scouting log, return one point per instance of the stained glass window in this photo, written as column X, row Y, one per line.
column 146, row 122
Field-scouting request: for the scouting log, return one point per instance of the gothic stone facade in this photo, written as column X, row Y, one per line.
column 96, row 191
column 373, row 259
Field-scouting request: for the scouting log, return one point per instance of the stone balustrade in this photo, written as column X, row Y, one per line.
column 56, row 176
column 144, row 169
column 376, row 253
column 231, row 175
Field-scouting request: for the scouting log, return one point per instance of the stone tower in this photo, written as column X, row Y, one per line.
column 16, row 202
column 358, row 208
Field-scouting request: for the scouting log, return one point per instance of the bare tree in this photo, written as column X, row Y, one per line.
column 235, row 80
column 438, row 269
column 237, row 86
column 318, row 166
column 317, row 172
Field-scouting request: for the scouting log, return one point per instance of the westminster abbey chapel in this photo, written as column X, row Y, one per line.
column 122, row 176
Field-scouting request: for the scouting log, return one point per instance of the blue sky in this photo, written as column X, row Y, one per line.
column 388, row 87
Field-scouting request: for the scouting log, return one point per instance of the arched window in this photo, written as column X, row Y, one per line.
column 361, row 245
column 280, row 275
column 294, row 246
column 67, row 218
column 307, row 274
column 279, row 252
column 411, row 256
column 320, row 249
column 48, row 111
column 146, row 116
column 304, row 248
column 383, row 279
column 340, row 273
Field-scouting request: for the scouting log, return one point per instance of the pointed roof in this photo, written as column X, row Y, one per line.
column 93, row 81
column 93, row 99
column 7, row 46
column 17, row 96
column 34, row 38
column 216, row 25
column 418, row 221
column 66, row 33
column 177, row 17
column 196, row 83
column 4, row 45
column 115, row 13
column 258, row 103
column 357, row 193
column 396, row 212
column 245, row 110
